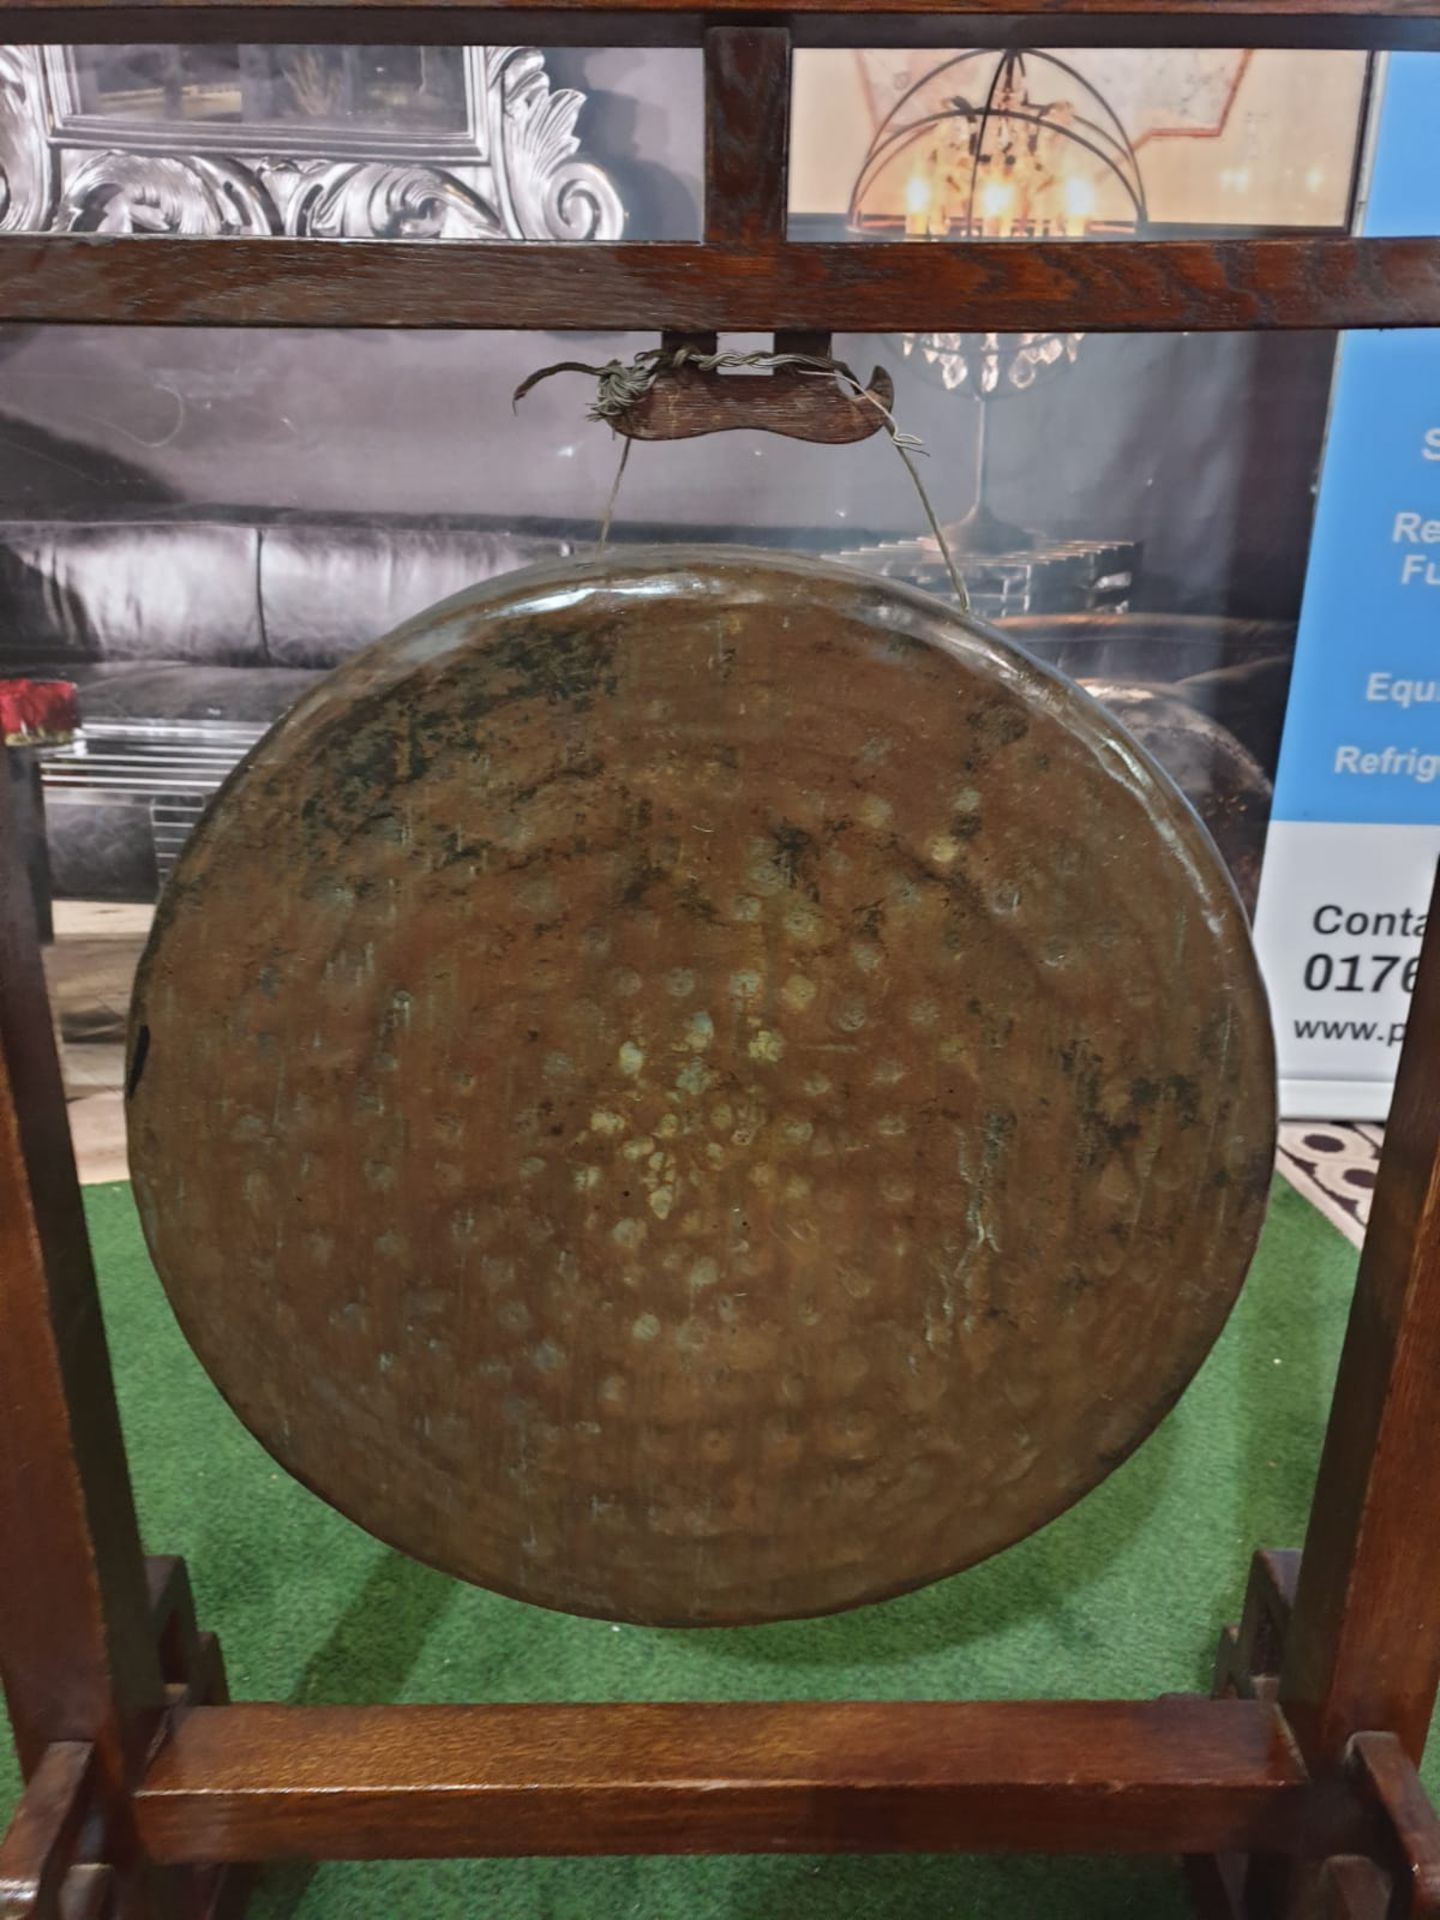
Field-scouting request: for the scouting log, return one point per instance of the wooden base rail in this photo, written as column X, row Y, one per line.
column 1205, row 1778
column 250, row 1782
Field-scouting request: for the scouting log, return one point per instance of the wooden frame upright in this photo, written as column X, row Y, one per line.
column 1293, row 1791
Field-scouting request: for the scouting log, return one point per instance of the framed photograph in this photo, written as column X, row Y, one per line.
column 317, row 142
column 415, row 102
column 1168, row 140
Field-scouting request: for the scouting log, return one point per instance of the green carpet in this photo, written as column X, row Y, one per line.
column 1122, row 1596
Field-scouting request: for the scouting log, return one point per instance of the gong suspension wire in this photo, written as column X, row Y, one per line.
column 620, row 384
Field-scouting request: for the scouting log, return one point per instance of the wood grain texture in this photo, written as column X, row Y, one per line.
column 92, row 1892
column 1350, row 1887
column 39, row 1847
column 394, row 23
column 1363, row 1648
column 958, row 17
column 608, row 1170
column 265, row 1782
column 75, row 1646
column 797, row 405
column 1384, row 1776
column 1256, row 1886
column 1121, row 286
column 854, row 23
column 1247, row 1663
column 747, row 135
column 190, row 1659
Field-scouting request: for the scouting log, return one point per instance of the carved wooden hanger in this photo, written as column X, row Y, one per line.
column 796, row 401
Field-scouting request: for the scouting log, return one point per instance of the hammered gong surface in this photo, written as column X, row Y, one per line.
column 698, row 1087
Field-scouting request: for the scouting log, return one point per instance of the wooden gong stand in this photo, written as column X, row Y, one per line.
column 1293, row 1791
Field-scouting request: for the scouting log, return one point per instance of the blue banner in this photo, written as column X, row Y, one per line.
column 1355, row 828
column 1362, row 729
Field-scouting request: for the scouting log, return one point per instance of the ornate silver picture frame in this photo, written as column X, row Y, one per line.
column 506, row 169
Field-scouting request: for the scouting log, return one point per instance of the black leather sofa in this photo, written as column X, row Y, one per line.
column 188, row 636
column 186, row 639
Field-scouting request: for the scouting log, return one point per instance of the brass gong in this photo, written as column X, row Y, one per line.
column 699, row 1087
